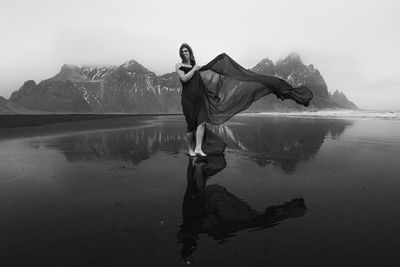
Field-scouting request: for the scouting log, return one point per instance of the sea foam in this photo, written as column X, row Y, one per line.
column 339, row 114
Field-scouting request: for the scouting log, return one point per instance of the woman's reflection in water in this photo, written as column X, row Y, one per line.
column 214, row 211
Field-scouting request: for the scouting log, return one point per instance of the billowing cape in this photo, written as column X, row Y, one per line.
column 229, row 88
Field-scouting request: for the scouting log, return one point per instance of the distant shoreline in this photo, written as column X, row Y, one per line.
column 335, row 114
column 28, row 120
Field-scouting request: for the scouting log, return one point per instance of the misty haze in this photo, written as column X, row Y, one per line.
column 270, row 139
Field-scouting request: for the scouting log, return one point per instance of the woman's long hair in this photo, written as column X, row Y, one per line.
column 192, row 60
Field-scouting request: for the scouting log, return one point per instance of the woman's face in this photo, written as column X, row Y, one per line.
column 186, row 54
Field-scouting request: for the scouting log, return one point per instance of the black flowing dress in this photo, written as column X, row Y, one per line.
column 223, row 88
column 195, row 111
column 192, row 100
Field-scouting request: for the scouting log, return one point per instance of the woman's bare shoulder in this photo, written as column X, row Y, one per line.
column 178, row 65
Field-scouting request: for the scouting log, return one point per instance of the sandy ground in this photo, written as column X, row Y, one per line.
column 122, row 192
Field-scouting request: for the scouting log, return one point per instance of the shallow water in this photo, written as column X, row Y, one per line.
column 122, row 192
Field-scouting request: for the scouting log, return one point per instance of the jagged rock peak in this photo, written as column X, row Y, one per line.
column 265, row 66
column 341, row 99
column 134, row 66
column 29, row 83
column 69, row 72
column 266, row 61
column 293, row 57
column 292, row 61
column 26, row 88
column 69, row 66
column 338, row 93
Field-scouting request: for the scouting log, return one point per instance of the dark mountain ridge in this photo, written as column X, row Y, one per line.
column 132, row 88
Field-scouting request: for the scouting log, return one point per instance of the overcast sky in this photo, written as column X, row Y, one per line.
column 354, row 43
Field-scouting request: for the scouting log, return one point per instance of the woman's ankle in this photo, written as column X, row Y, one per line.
column 199, row 151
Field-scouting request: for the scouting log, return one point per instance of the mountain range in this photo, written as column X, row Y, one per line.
column 131, row 88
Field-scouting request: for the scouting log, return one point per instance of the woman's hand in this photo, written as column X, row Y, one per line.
column 197, row 67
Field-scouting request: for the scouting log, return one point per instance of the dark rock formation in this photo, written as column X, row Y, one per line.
column 341, row 100
column 296, row 73
column 131, row 88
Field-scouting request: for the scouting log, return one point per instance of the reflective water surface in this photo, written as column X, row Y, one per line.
column 122, row 192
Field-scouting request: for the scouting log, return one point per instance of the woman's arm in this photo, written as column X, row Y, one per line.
column 186, row 77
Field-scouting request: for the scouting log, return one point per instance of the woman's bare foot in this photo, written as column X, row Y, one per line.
column 192, row 153
column 199, row 152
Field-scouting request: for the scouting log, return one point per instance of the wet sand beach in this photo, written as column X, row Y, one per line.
column 121, row 191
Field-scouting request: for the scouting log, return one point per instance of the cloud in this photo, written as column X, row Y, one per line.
column 352, row 43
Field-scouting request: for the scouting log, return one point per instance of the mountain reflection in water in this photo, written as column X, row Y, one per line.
column 284, row 142
column 279, row 141
column 213, row 210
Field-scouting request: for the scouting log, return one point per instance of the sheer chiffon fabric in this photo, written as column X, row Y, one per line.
column 230, row 88
column 223, row 88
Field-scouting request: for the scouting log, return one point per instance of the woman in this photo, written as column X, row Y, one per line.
column 221, row 89
column 192, row 99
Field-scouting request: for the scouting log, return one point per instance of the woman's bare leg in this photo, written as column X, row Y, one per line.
column 189, row 140
column 199, row 139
